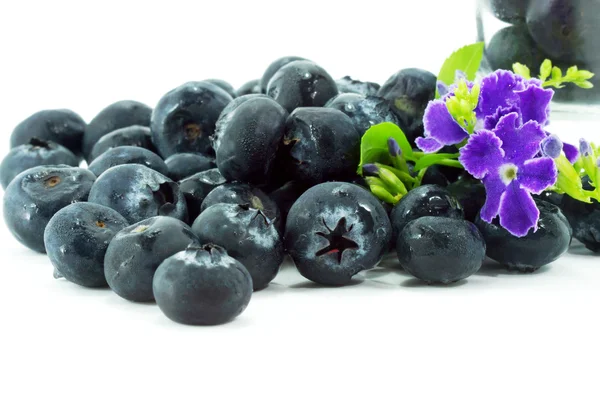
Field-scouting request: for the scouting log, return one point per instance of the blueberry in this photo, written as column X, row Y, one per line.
column 513, row 44
column 566, row 29
column 76, row 239
column 135, row 135
column 529, row 253
column 135, row 253
column 349, row 85
column 243, row 194
column 364, row 111
column 247, row 139
column 59, row 126
column 471, row 195
column 435, row 176
column 182, row 165
column 226, row 86
column 424, row 201
column 117, row 115
column 202, row 286
column 247, row 234
column 334, row 231
column 195, row 188
column 285, row 197
column 321, row 144
column 33, row 154
column 273, row 68
column 138, row 192
column 185, row 118
column 552, row 198
column 584, row 219
column 127, row 155
column 409, row 91
column 301, row 84
column 35, row 195
column 440, row 249
column 511, row 11
column 250, row 87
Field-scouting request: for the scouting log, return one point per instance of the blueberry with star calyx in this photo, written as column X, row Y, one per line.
column 247, row 234
column 35, row 195
column 531, row 252
column 33, row 154
column 202, row 285
column 320, row 144
column 135, row 135
column 349, row 85
column 195, row 188
column 440, row 250
column 135, row 253
column 127, row 155
column 117, row 115
column 301, row 84
column 273, row 68
column 182, row 165
column 184, row 119
column 63, row 127
column 76, row 239
column 138, row 192
column 409, row 91
column 334, row 231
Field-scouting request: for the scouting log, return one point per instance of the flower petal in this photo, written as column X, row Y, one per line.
column 440, row 125
column 571, row 152
column 537, row 175
column 498, row 90
column 520, row 143
column 482, row 154
column 534, row 102
column 428, row 145
column 491, row 121
column 518, row 212
column 494, row 188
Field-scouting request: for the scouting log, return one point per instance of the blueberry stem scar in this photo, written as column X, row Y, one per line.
column 337, row 242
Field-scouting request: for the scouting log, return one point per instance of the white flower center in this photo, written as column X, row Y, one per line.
column 508, row 173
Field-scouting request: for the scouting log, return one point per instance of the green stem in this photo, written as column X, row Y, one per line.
column 450, row 163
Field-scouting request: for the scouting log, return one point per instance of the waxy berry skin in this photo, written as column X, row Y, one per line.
column 135, row 135
column 182, row 165
column 195, row 188
column 334, row 231
column 127, row 155
column 35, row 195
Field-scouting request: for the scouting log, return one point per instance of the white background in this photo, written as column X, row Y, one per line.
column 497, row 336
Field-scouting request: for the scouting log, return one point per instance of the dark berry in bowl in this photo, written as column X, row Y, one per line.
column 408, row 92
column 363, row 111
column 184, row 118
column 138, row 192
column 529, row 253
column 135, row 253
column 349, row 85
column 76, row 239
column 127, row 155
column 35, row 153
column 471, row 195
column 117, row 115
column 63, row 127
column 247, row 139
column 334, row 231
column 513, row 44
column 202, row 286
column 320, row 144
column 274, row 67
column 226, row 86
column 247, row 234
column 301, row 84
column 182, row 165
column 136, row 135
column 511, row 11
column 195, row 188
column 440, row 249
column 250, row 87
column 35, row 195
column 424, row 201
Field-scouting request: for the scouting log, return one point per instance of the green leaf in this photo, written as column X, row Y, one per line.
column 522, row 70
column 432, row 159
column 585, row 84
column 545, row 70
column 556, row 74
column 466, row 59
column 374, row 146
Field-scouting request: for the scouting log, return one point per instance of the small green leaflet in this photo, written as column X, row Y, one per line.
column 374, row 144
column 466, row 59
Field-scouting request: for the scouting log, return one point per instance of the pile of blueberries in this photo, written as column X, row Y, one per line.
column 195, row 203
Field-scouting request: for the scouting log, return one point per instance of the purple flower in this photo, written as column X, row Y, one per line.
column 571, row 152
column 440, row 128
column 394, row 147
column 504, row 159
column 584, row 148
column 552, row 146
